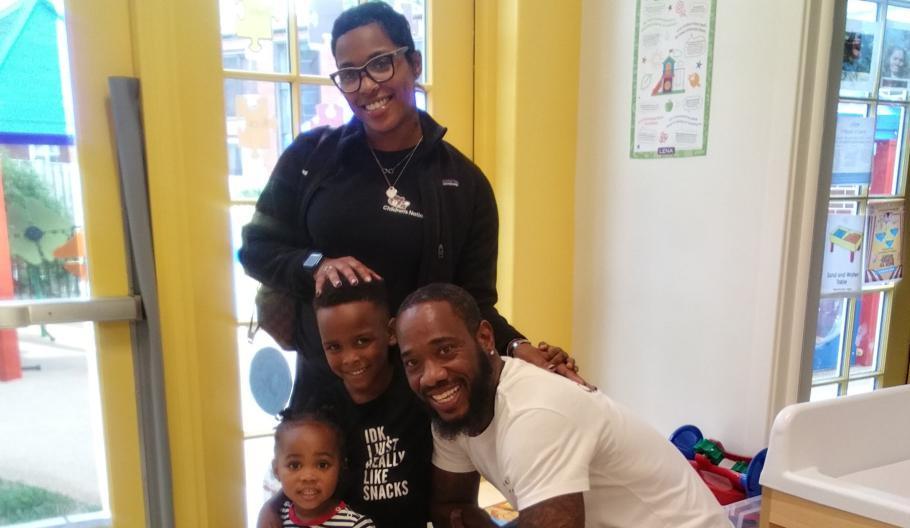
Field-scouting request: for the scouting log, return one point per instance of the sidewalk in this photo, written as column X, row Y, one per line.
column 46, row 417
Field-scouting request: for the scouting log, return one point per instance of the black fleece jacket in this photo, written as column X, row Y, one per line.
column 461, row 224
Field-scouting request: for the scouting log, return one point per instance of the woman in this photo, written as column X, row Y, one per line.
column 383, row 196
column 897, row 63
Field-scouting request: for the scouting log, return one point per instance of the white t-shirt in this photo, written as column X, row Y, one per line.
column 551, row 437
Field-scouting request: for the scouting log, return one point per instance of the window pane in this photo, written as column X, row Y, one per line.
column 823, row 392
column 254, row 35
column 257, row 421
column 45, row 256
column 889, row 135
column 895, row 78
column 861, row 386
column 829, row 338
column 260, row 483
column 866, row 348
column 854, row 149
column 420, row 98
column 258, row 116
column 53, row 459
column 416, row 13
column 322, row 105
column 245, row 287
column 861, row 49
column 314, row 33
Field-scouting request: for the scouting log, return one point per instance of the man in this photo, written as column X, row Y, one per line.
column 564, row 456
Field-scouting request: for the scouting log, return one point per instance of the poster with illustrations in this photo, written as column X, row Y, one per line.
column 860, row 53
column 674, row 41
column 854, row 144
column 842, row 267
column 884, row 232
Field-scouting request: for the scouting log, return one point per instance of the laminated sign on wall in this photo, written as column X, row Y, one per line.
column 674, row 42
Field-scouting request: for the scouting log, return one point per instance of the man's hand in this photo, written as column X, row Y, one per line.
column 552, row 358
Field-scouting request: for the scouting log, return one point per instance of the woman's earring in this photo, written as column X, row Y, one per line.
column 493, row 352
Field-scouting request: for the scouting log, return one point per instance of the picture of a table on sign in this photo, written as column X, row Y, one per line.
column 847, row 239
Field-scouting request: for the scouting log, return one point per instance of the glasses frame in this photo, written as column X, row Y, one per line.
column 362, row 70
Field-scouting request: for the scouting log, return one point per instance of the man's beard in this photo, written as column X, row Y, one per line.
column 482, row 393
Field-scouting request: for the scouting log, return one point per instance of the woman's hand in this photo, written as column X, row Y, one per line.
column 552, row 358
column 333, row 269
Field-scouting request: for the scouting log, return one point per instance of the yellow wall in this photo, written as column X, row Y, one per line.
column 526, row 104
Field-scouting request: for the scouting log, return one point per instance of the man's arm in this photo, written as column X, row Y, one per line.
column 564, row 511
column 453, row 502
column 269, row 515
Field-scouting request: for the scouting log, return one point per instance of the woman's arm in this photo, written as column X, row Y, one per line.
column 274, row 244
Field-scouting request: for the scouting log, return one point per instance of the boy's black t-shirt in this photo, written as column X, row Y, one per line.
column 389, row 448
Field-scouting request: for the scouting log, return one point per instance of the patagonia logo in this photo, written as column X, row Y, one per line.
column 450, row 183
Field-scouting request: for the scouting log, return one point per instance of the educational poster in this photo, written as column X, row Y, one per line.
column 860, row 53
column 674, row 41
column 854, row 142
column 884, row 232
column 842, row 267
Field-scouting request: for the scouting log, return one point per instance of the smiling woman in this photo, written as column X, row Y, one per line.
column 382, row 197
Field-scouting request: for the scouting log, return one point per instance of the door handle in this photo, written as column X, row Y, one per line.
column 22, row 313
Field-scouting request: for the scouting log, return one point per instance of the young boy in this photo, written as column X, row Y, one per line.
column 308, row 460
column 389, row 443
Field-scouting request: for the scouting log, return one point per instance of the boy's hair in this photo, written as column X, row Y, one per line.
column 318, row 413
column 373, row 291
column 393, row 23
column 462, row 303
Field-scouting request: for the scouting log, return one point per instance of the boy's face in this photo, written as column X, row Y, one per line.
column 356, row 339
column 307, row 463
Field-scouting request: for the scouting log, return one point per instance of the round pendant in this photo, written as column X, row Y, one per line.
column 391, row 192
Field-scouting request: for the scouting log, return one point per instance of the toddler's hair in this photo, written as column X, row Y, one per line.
column 319, row 413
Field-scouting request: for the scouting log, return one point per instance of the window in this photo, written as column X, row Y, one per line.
column 271, row 95
column 866, row 214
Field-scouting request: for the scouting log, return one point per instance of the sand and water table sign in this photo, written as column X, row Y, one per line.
column 674, row 42
column 842, row 267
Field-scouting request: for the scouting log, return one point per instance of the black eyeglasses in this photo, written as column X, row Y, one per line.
column 379, row 69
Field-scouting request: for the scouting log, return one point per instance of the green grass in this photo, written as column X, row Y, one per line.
column 22, row 503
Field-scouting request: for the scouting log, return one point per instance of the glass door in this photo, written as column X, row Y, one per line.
column 276, row 57
column 860, row 337
column 68, row 418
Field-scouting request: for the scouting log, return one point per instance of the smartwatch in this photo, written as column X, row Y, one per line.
column 312, row 262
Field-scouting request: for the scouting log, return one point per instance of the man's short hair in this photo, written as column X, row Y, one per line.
column 462, row 303
column 373, row 291
column 394, row 24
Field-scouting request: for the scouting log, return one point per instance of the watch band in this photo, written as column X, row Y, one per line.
column 312, row 262
column 513, row 344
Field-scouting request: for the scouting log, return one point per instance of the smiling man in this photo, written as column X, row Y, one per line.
column 563, row 455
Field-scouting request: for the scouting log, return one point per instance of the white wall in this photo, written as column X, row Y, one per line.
column 678, row 261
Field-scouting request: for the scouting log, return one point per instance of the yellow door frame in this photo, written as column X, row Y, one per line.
column 94, row 56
